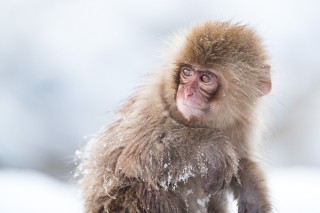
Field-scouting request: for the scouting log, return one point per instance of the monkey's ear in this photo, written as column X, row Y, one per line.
column 265, row 81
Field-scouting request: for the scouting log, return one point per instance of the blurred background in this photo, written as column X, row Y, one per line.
column 65, row 65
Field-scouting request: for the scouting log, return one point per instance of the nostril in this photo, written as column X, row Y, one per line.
column 189, row 91
column 188, row 94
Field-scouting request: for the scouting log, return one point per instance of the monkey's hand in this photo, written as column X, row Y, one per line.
column 252, row 191
column 250, row 202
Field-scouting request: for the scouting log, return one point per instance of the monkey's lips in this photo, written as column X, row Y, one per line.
column 194, row 107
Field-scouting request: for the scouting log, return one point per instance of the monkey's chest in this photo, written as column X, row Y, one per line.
column 182, row 154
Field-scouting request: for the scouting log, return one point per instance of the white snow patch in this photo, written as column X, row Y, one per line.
column 189, row 191
column 33, row 192
column 295, row 190
column 203, row 202
column 186, row 174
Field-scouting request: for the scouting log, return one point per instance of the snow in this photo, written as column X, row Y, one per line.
column 203, row 202
column 296, row 190
column 32, row 192
column 293, row 190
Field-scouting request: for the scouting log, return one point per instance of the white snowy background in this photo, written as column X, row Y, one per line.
column 66, row 64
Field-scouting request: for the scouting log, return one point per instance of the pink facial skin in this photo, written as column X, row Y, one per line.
column 196, row 88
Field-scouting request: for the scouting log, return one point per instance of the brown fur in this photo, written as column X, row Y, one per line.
column 153, row 160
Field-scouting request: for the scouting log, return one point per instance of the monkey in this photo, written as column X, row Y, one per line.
column 183, row 140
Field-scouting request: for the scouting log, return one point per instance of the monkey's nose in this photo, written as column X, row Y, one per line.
column 188, row 94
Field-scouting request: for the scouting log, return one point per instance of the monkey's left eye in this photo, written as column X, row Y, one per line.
column 205, row 78
column 186, row 71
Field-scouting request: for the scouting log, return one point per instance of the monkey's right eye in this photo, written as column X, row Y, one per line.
column 186, row 71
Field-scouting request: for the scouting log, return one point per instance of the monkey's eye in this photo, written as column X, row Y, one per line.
column 205, row 78
column 186, row 71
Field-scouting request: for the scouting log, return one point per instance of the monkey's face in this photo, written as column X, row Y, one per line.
column 217, row 97
column 197, row 87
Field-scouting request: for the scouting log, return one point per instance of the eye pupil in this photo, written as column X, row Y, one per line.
column 205, row 78
column 187, row 72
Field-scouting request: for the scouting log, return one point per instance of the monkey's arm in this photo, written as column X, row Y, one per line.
column 252, row 192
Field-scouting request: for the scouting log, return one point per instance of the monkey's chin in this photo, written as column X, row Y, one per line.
column 190, row 112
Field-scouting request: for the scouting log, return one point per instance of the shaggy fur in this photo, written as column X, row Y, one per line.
column 153, row 160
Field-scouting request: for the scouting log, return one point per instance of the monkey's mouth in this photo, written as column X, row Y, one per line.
column 194, row 108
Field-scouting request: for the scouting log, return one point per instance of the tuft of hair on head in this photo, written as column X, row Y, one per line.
column 223, row 43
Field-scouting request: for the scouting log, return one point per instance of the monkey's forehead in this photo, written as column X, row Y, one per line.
column 223, row 43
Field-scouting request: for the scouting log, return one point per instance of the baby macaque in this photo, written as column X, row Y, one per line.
column 183, row 140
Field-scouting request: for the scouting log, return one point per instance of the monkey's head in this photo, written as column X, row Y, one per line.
column 218, row 75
